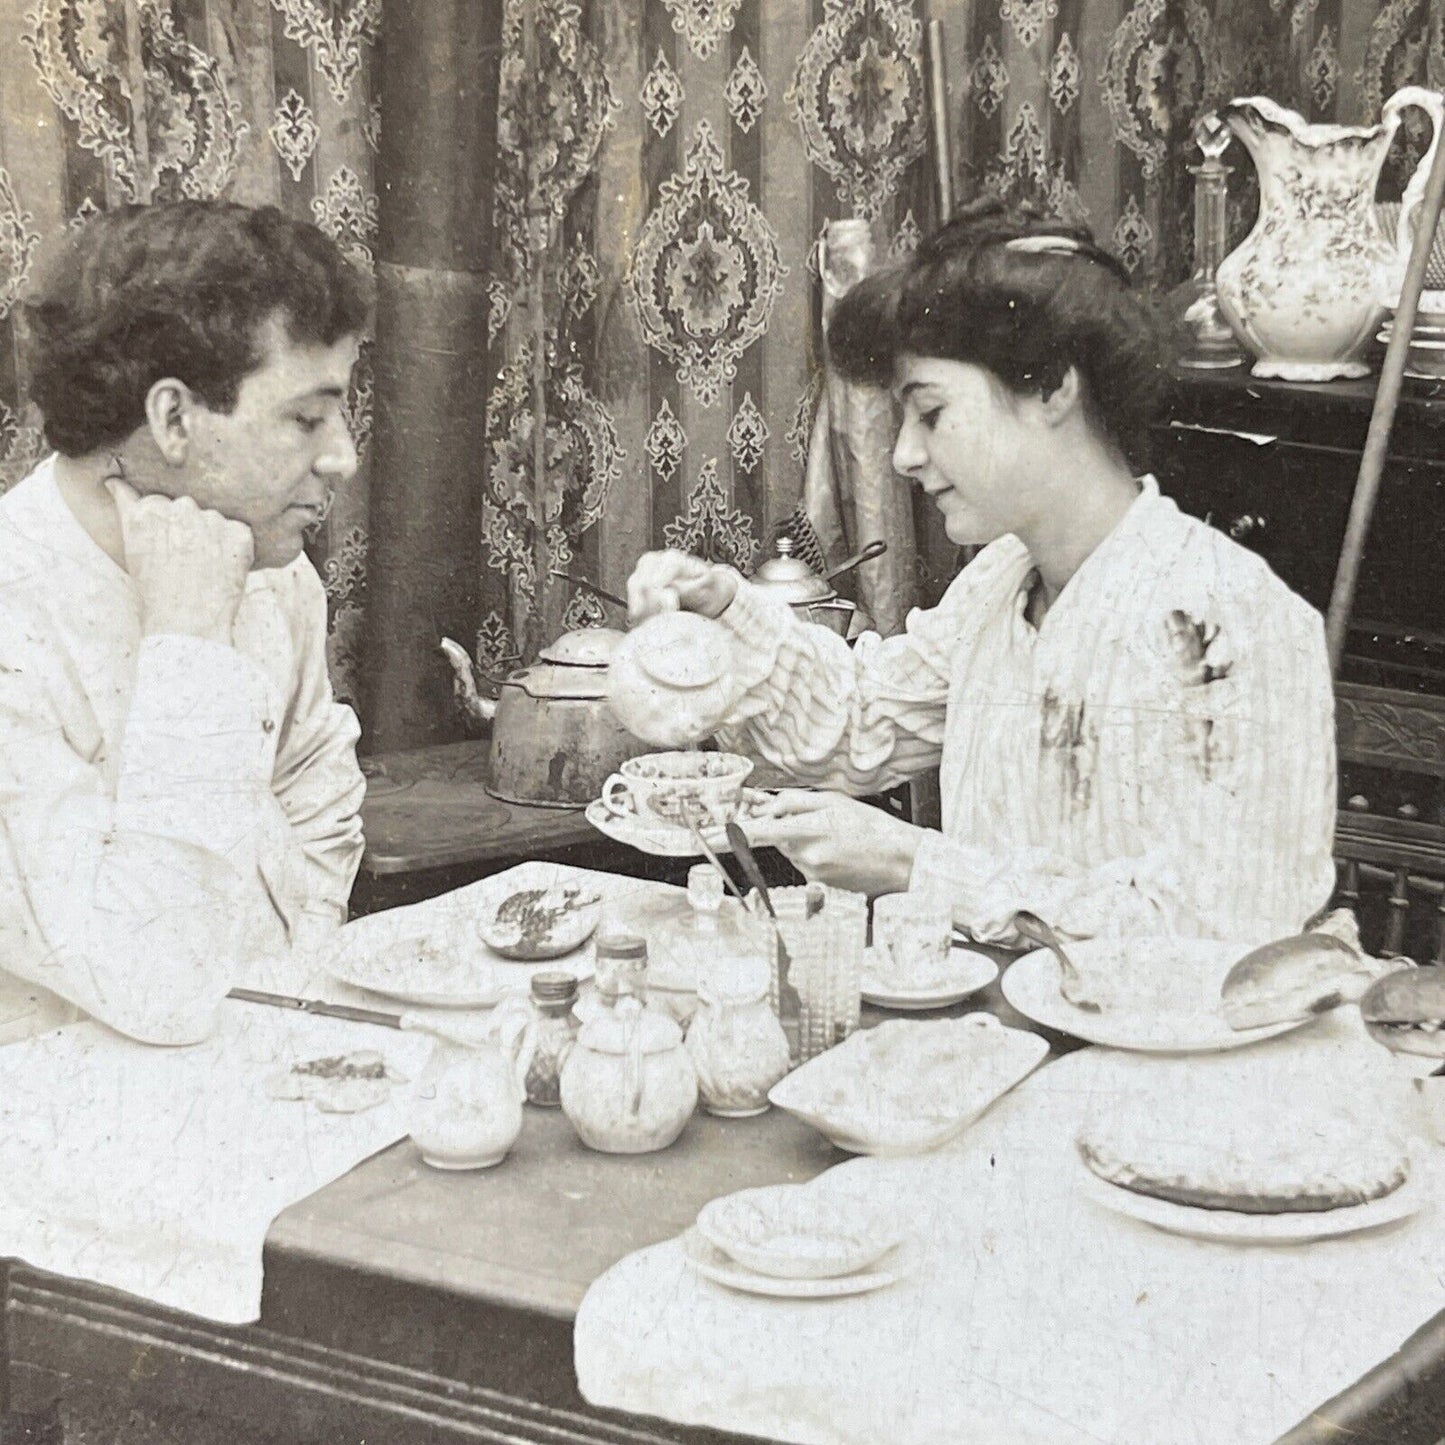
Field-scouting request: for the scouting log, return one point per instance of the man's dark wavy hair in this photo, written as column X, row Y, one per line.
column 1025, row 316
column 183, row 290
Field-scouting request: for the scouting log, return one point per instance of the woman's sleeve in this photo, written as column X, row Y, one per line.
column 853, row 718
column 1230, row 770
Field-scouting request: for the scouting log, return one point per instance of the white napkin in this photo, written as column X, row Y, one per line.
column 159, row 1171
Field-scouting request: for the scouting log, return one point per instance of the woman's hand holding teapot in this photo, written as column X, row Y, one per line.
column 678, row 582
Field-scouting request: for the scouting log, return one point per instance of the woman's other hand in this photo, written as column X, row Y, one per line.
column 832, row 838
column 678, row 582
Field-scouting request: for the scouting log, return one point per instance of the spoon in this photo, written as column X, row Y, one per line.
column 1037, row 931
column 711, row 855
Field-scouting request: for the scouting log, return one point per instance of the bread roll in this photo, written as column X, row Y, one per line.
column 1405, row 1011
column 1292, row 978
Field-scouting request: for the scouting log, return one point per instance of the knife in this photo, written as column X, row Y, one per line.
column 316, row 1006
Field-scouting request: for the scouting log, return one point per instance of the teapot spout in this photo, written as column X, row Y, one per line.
column 474, row 707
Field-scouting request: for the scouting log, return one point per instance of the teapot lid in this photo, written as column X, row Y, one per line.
column 606, row 1029
column 790, row 578
column 680, row 650
column 586, row 647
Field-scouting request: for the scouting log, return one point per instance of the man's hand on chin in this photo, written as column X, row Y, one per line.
column 835, row 839
column 188, row 564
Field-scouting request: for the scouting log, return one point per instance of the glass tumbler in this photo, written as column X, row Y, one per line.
column 826, row 953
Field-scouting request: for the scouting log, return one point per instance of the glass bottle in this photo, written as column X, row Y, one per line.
column 714, row 932
column 1204, row 339
column 553, row 1032
column 621, row 968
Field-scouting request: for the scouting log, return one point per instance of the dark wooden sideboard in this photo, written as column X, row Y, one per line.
column 1274, row 464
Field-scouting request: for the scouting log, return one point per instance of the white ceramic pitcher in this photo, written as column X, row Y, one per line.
column 1308, row 287
column 466, row 1108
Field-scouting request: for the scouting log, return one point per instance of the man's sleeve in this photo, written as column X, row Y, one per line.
column 122, row 897
column 318, row 782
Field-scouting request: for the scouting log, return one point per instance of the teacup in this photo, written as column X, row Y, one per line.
column 912, row 933
column 678, row 788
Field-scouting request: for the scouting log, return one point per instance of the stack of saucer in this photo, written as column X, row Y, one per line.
column 1426, row 359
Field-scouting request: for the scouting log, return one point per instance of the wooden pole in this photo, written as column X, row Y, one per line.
column 936, row 69
column 135, row 74
column 438, row 65
column 1382, row 417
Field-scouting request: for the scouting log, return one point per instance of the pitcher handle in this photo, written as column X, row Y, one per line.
column 1433, row 104
column 516, row 1037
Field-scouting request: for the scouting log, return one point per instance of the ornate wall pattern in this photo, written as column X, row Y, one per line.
column 686, row 155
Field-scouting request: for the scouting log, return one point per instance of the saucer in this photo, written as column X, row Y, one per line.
column 964, row 973
column 667, row 840
column 713, row 1264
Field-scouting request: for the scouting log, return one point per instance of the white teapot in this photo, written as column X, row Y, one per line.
column 669, row 681
column 466, row 1108
column 628, row 1086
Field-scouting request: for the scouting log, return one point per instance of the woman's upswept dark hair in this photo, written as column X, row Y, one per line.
column 1026, row 315
column 182, row 289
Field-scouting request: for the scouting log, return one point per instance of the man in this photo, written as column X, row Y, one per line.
column 178, row 788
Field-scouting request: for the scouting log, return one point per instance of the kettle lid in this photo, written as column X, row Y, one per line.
column 790, row 579
column 585, row 647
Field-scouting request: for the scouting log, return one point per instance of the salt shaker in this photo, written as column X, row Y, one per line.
column 553, row 1031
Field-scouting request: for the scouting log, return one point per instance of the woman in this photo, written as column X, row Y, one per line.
column 1132, row 716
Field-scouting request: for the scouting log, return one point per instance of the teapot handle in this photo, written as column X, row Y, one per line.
column 632, row 1038
column 1433, row 104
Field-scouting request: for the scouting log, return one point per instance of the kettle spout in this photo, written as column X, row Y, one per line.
column 474, row 707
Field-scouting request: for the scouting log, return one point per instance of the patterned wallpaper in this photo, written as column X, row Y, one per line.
column 687, row 154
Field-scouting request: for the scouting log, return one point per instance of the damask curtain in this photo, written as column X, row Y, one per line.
column 686, row 154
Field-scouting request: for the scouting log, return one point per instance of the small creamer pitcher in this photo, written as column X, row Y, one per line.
column 466, row 1108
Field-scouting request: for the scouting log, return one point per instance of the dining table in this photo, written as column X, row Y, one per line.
column 401, row 1303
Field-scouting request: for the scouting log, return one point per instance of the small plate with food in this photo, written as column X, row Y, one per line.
column 536, row 911
column 1149, row 994
column 962, row 972
column 339, row 1083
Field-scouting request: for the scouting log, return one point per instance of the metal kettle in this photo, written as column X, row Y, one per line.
column 555, row 739
column 790, row 579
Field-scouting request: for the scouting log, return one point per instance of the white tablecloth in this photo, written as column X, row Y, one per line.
column 1034, row 1317
column 158, row 1171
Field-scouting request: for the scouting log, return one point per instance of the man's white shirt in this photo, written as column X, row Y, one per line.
column 170, row 808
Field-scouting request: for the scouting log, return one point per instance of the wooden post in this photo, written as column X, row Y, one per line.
column 1382, row 417
column 435, row 179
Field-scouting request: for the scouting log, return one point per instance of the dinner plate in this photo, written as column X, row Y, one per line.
column 964, row 973
column 665, row 840
column 1031, row 985
column 440, row 962
column 711, row 1263
column 1230, row 1226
